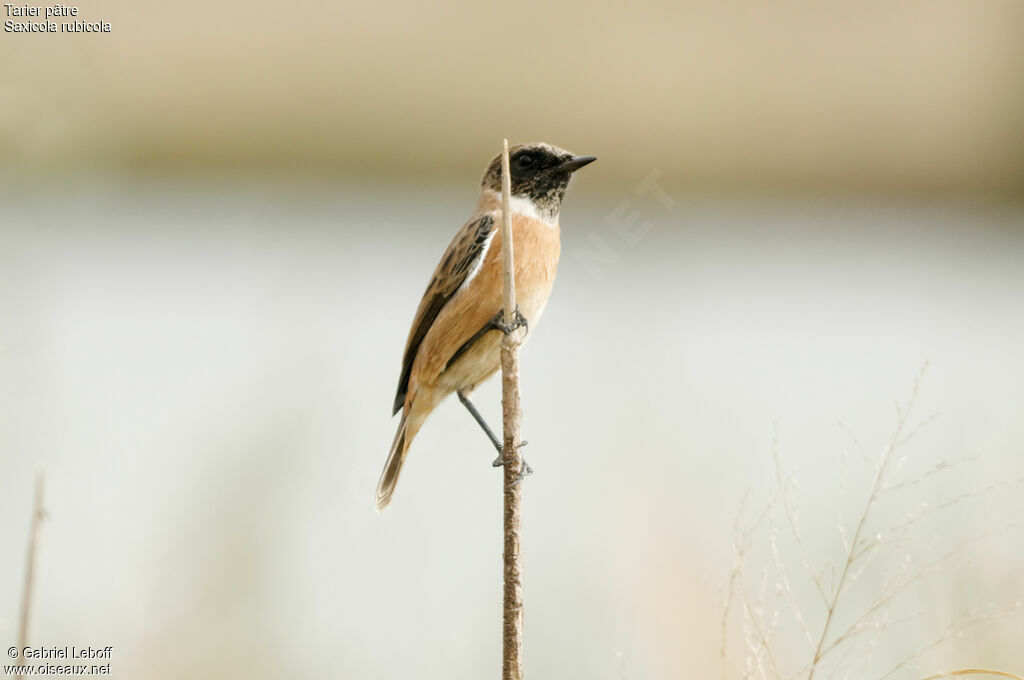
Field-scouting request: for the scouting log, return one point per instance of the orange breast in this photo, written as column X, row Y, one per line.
column 537, row 247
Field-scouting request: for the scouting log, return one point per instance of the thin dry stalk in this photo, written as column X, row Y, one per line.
column 735, row 583
column 512, row 619
column 783, row 485
column 952, row 631
column 973, row 671
column 38, row 514
column 736, row 590
column 852, row 553
column 837, row 652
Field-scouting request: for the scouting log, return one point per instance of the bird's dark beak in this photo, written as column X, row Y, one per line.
column 576, row 162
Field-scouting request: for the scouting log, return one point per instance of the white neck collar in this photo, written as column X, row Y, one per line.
column 526, row 208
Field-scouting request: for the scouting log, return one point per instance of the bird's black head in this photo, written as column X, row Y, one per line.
column 540, row 173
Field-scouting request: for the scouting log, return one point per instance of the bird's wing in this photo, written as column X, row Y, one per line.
column 460, row 262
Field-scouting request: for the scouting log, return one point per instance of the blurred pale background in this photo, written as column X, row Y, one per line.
column 215, row 223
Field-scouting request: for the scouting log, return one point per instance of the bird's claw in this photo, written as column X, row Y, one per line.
column 500, row 460
column 518, row 321
column 524, row 471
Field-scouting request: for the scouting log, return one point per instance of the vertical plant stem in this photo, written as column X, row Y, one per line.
column 853, row 553
column 38, row 513
column 511, row 415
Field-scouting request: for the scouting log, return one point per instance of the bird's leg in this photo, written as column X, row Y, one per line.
column 499, row 461
column 495, row 324
column 482, row 423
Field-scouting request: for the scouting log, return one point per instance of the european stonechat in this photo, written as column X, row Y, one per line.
column 454, row 343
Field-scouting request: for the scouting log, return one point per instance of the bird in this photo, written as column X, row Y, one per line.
column 454, row 342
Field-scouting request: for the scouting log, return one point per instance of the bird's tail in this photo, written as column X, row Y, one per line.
column 392, row 468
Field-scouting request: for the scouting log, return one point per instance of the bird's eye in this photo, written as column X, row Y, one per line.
column 524, row 161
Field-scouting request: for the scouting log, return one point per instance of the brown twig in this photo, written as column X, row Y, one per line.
column 512, row 620
column 38, row 514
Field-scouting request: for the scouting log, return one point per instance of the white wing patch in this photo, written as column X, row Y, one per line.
column 478, row 262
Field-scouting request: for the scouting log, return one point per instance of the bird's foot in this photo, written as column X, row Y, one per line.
column 518, row 321
column 500, row 460
column 524, row 469
column 497, row 323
